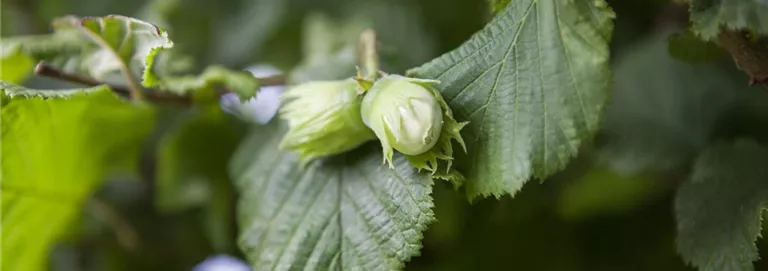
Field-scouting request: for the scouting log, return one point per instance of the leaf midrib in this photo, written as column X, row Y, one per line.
column 133, row 84
column 484, row 107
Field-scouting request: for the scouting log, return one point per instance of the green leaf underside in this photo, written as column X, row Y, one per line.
column 347, row 212
column 688, row 47
column 240, row 82
column 125, row 46
column 708, row 16
column 532, row 84
column 719, row 209
column 114, row 48
column 57, row 148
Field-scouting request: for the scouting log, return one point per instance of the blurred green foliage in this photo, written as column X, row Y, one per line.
column 611, row 209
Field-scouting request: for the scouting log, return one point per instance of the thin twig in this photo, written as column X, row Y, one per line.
column 275, row 80
column 43, row 69
column 750, row 56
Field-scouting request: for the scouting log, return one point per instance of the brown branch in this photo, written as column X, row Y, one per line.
column 750, row 56
column 43, row 69
column 275, row 80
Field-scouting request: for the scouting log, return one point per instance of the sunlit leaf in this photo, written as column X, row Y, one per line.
column 15, row 68
column 57, row 147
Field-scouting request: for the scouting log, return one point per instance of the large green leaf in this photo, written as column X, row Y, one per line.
column 719, row 209
column 533, row 84
column 57, row 147
column 709, row 15
column 348, row 212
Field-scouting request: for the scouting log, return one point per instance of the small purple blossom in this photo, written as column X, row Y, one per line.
column 263, row 107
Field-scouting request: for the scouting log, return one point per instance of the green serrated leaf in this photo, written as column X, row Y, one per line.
column 719, row 209
column 202, row 86
column 688, row 47
column 115, row 49
column 125, row 45
column 347, row 212
column 532, row 84
column 57, row 147
column 707, row 16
